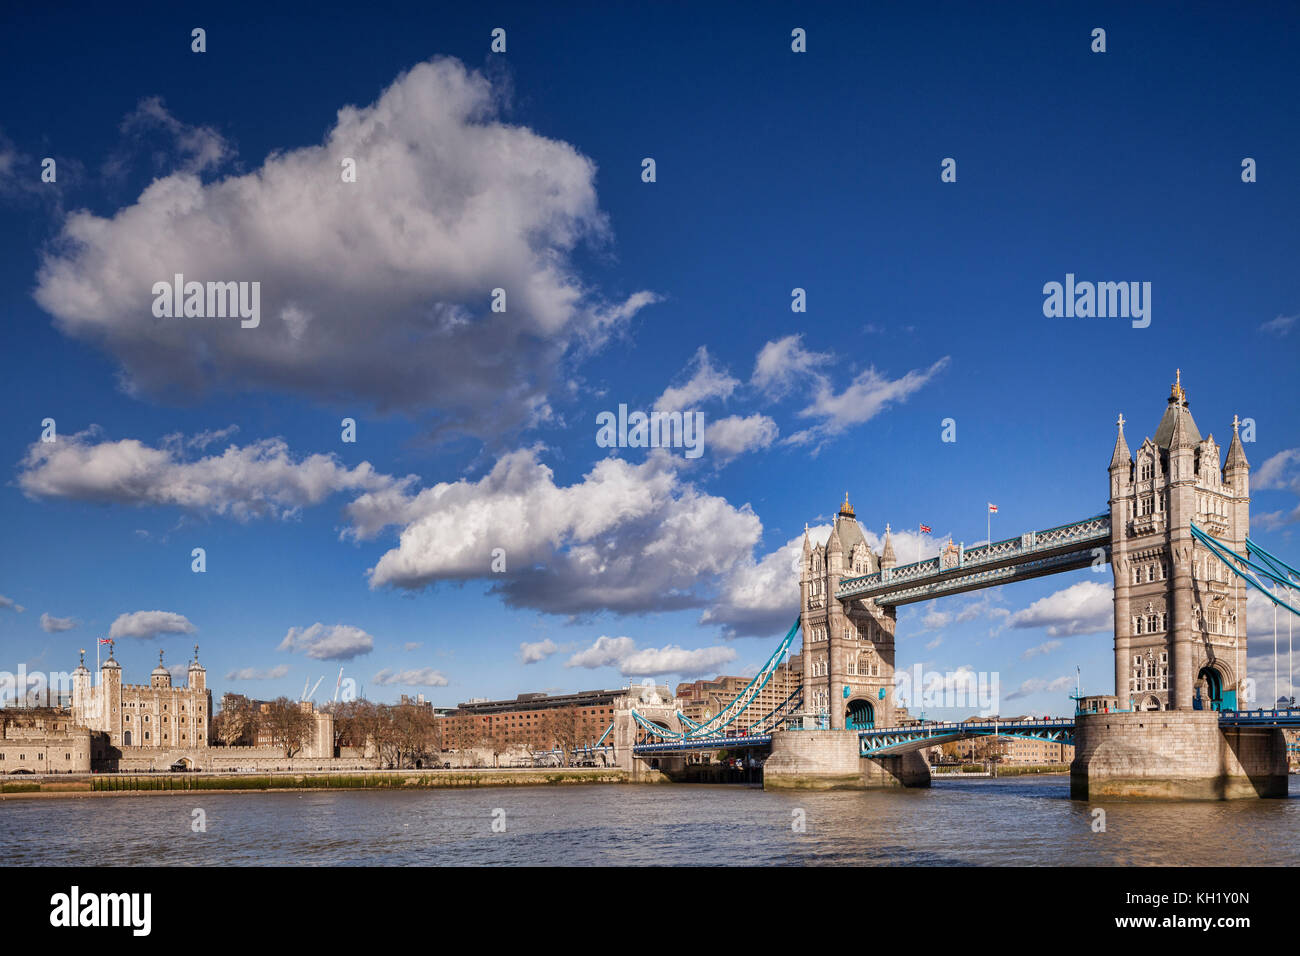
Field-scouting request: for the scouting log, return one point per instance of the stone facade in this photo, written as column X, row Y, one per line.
column 829, row 760
column 1176, row 755
column 1180, row 614
column 154, row 716
column 42, row 740
column 848, row 647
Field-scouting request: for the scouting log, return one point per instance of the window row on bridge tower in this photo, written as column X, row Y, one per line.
column 1151, row 623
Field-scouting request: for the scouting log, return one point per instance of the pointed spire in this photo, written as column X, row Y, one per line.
column 1122, row 457
column 1236, row 454
column 887, row 558
column 833, row 546
column 1181, row 436
column 807, row 545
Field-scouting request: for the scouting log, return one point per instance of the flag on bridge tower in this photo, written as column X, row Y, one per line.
column 925, row 529
column 993, row 509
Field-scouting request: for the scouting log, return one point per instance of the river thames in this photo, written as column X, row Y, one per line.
column 1011, row 821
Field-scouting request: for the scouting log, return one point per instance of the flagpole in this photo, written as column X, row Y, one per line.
column 988, row 524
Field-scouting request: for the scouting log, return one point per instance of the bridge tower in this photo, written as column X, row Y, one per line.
column 1180, row 615
column 848, row 647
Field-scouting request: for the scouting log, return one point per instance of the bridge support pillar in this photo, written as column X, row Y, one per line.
column 1175, row 755
column 829, row 760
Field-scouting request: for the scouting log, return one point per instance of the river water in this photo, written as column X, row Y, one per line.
column 1010, row 821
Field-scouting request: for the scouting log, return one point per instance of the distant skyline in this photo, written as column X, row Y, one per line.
column 497, row 290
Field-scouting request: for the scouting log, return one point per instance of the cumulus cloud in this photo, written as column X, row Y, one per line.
column 631, row 538
column 1084, row 608
column 377, row 290
column 420, row 677
column 781, row 364
column 195, row 149
column 622, row 652
column 759, row 597
column 150, row 624
column 1281, row 472
column 537, row 651
column 262, row 478
column 8, row 604
column 53, row 625
column 728, row 437
column 337, row 642
column 255, row 673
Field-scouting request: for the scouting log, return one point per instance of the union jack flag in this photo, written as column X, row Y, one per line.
column 106, row 640
column 993, row 509
column 925, row 529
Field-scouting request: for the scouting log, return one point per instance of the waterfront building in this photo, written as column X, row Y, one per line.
column 42, row 740
column 156, row 715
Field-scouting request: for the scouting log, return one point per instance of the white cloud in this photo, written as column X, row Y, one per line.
column 867, row 396
column 537, row 651
column 628, row 538
column 412, row 645
column 254, row 673
column 149, row 624
column 1083, row 608
column 10, row 605
column 1036, row 685
column 258, row 479
column 376, row 291
column 1281, row 325
column 52, row 625
column 1044, row 648
column 1276, row 472
column 337, row 642
column 781, row 364
column 934, row 620
column 760, row 597
column 622, row 652
column 728, row 437
column 705, row 384
column 421, row 677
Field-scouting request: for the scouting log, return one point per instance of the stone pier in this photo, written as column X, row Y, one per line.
column 829, row 760
column 1175, row 755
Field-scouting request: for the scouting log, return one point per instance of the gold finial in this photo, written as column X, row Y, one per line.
column 196, row 653
column 1176, row 393
column 83, row 655
column 160, row 653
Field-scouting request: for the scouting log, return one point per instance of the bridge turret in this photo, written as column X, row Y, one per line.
column 887, row 558
column 1121, row 492
column 1236, row 471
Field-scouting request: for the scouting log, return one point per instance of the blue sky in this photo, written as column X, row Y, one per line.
column 476, row 430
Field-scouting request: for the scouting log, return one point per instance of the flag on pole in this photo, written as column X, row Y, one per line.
column 993, row 509
column 106, row 640
column 925, row 529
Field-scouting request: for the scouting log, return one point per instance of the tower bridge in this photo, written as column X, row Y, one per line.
column 1176, row 537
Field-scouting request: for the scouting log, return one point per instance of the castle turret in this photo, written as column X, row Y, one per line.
column 160, row 676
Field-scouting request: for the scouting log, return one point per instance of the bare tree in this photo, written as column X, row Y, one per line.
column 287, row 724
column 561, row 726
column 236, row 723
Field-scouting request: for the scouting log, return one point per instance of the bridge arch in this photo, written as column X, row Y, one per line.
column 860, row 714
column 1213, row 688
column 1149, row 702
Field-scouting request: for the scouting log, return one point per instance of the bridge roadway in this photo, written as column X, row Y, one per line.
column 958, row 569
column 887, row 741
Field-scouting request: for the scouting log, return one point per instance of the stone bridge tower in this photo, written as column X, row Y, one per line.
column 848, row 648
column 1180, row 614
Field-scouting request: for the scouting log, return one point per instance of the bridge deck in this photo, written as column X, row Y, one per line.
column 1033, row 554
